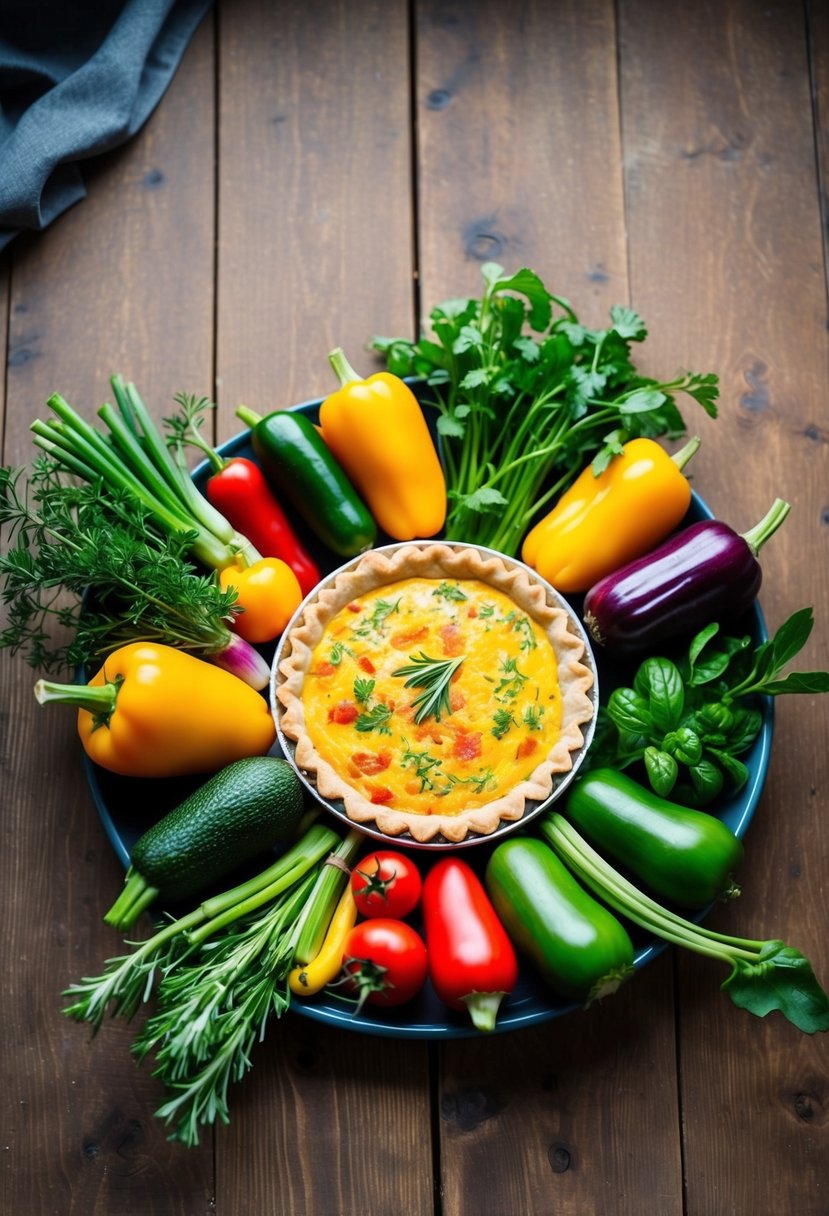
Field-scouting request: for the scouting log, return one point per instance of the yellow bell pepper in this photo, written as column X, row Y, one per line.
column 154, row 711
column 269, row 594
column 377, row 431
column 602, row 522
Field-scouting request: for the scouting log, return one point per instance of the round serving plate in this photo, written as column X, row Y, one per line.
column 128, row 807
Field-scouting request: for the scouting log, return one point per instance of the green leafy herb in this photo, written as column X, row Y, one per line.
column 434, row 677
column 532, row 716
column 363, row 688
column 527, row 395
column 502, row 720
column 65, row 541
column 478, row 781
column 688, row 722
column 450, row 591
column 513, row 681
column 764, row 975
column 376, row 718
column 338, row 652
column 426, row 766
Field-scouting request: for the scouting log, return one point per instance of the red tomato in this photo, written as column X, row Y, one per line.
column 386, row 884
column 386, row 961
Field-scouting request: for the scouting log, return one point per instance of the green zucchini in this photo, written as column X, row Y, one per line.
column 301, row 466
column 577, row 946
column 243, row 810
column 685, row 856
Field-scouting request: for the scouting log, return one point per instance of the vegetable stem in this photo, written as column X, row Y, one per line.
column 343, row 370
column 685, row 453
column 768, row 525
column 98, row 699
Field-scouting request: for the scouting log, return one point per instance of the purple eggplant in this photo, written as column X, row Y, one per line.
column 706, row 572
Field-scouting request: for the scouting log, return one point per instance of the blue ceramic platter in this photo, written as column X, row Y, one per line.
column 128, row 807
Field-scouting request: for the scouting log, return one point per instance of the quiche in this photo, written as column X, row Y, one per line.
column 436, row 690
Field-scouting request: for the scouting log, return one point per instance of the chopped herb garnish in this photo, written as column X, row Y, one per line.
column 523, row 626
column 425, row 765
column 502, row 720
column 532, row 716
column 478, row 781
column 338, row 651
column 513, row 680
column 375, row 718
column 433, row 676
column 450, row 591
column 382, row 609
column 363, row 690
column 486, row 611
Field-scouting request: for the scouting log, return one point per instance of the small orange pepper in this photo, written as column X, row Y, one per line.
column 269, row 594
column 155, row 711
column 602, row 522
column 376, row 429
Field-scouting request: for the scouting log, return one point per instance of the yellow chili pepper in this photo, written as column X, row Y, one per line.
column 311, row 978
column 377, row 431
column 268, row 591
column 602, row 522
column 154, row 711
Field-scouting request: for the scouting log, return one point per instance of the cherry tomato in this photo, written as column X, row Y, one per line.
column 386, row 884
column 386, row 962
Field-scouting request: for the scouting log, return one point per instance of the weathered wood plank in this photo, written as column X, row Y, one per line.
column 315, row 251
column 518, row 149
column 726, row 263
column 519, row 161
column 122, row 282
column 315, row 193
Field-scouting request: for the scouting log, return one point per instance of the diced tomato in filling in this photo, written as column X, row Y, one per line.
column 452, row 639
column 406, row 638
column 343, row 713
column 467, row 746
column 355, row 607
column 456, row 700
column 325, row 669
column 472, row 612
column 365, row 664
column 381, row 794
column 371, row 762
column 526, row 748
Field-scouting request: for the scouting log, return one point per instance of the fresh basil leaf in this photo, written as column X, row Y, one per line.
column 715, row 718
column 687, row 746
column 629, row 712
column 662, row 770
column 707, row 780
column 798, row 681
column 666, row 692
column 698, row 644
column 782, row 978
column 745, row 727
column 792, row 636
column 734, row 769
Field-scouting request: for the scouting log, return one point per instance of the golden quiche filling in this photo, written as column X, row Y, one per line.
column 434, row 690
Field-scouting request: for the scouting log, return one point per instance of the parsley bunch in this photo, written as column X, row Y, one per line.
column 527, row 395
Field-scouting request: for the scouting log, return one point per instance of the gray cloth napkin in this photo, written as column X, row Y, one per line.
column 77, row 77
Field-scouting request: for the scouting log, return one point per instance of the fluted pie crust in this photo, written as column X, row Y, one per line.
column 464, row 571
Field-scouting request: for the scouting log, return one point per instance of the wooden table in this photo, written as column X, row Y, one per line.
column 316, row 174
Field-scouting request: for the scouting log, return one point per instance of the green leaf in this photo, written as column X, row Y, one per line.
column 798, row 681
column 484, row 499
column 641, row 402
column 706, row 780
column 451, row 426
column 477, row 378
column 666, row 692
column 743, row 729
column 527, row 283
column 782, row 978
column 687, row 747
column 627, row 323
column 662, row 770
column 699, row 642
column 734, row 769
column 705, row 390
column 468, row 338
column 792, row 636
column 629, row 711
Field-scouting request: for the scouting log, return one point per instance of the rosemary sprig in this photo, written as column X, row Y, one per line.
column 434, row 677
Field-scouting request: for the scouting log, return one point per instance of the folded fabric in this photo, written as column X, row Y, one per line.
column 75, row 81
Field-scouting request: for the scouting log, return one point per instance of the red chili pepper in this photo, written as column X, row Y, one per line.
column 239, row 490
column 472, row 963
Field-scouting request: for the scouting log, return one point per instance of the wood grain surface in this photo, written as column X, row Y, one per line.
column 316, row 174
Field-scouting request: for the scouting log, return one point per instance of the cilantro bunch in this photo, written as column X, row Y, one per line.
column 527, row 396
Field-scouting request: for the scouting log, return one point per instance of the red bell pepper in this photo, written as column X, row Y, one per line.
column 472, row 963
column 239, row 490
